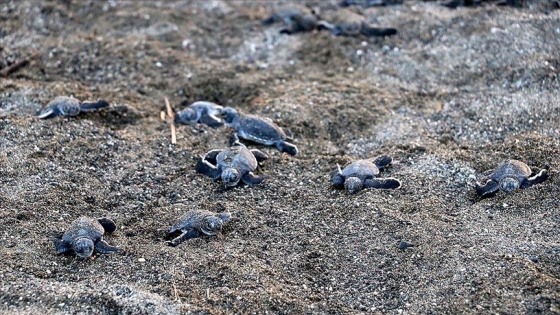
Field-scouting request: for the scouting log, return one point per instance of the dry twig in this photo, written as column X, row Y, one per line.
column 172, row 121
column 16, row 66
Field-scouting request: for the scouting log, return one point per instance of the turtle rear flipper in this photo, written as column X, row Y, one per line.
column 537, row 179
column 487, row 189
column 287, row 147
column 259, row 155
column 91, row 106
column 382, row 161
column 203, row 167
column 382, row 183
column 252, row 179
column 108, row 225
column 378, row 31
column 50, row 112
column 211, row 121
column 61, row 246
column 191, row 233
column 104, row 248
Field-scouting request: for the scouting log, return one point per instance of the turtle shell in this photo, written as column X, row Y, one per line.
column 513, row 168
column 260, row 130
column 238, row 157
column 68, row 106
column 362, row 169
column 84, row 227
column 191, row 220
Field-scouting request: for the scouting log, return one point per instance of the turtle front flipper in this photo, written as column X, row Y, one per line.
column 188, row 234
column 108, row 225
column 212, row 155
column 271, row 19
column 382, row 183
column 91, row 106
column 287, row 147
column 489, row 188
column 61, row 246
column 50, row 112
column 203, row 167
column 211, row 121
column 104, row 248
column 537, row 179
column 259, row 155
column 234, row 140
column 378, row 31
column 252, row 179
column 288, row 133
column 336, row 177
column 382, row 161
column 324, row 25
column 224, row 216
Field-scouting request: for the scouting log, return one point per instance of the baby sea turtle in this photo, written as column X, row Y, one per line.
column 508, row 177
column 298, row 18
column 260, row 130
column 369, row 3
column 197, row 222
column 69, row 106
column 85, row 235
column 232, row 165
column 201, row 112
column 361, row 173
column 348, row 23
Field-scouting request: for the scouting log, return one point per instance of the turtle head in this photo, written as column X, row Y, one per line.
column 212, row 225
column 231, row 176
column 509, row 185
column 186, row 116
column 353, row 184
column 83, row 247
column 229, row 115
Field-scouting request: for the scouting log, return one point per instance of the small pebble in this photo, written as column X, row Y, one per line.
column 535, row 259
column 141, row 260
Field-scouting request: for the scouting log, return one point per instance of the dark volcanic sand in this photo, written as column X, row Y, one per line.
column 455, row 93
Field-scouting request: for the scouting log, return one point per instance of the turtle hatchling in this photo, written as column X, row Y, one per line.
column 361, row 173
column 232, row 165
column 348, row 23
column 86, row 235
column 201, row 112
column 260, row 130
column 69, row 106
column 197, row 222
column 298, row 18
column 508, row 177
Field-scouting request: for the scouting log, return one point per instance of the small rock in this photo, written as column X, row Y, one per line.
column 535, row 259
column 141, row 260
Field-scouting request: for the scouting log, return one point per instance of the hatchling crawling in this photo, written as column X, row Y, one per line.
column 361, row 173
column 260, row 130
column 508, row 177
column 197, row 222
column 69, row 106
column 298, row 18
column 201, row 112
column 232, row 165
column 348, row 23
column 86, row 235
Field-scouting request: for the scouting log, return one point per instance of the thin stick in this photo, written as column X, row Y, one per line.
column 172, row 118
column 16, row 66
